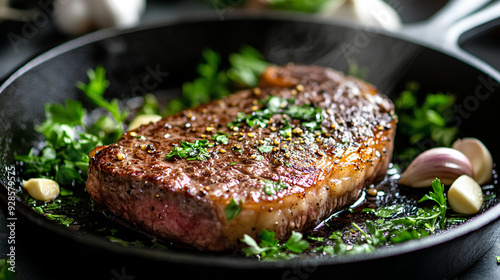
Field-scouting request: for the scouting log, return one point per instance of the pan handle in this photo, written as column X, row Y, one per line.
column 457, row 22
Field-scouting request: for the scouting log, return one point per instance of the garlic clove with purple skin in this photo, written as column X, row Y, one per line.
column 465, row 195
column 479, row 157
column 447, row 164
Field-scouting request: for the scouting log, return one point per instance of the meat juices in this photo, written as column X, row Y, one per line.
column 282, row 175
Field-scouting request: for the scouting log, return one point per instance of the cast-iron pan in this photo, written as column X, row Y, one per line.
column 159, row 57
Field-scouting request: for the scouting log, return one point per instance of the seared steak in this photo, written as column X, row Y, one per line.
column 282, row 157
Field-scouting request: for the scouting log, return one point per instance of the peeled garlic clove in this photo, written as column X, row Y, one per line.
column 143, row 119
column 479, row 157
column 447, row 164
column 42, row 189
column 465, row 195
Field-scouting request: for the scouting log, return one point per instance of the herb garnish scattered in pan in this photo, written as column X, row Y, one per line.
column 68, row 140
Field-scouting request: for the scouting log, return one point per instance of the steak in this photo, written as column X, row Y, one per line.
column 282, row 156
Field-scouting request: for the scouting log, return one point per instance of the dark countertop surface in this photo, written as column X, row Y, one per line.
column 37, row 261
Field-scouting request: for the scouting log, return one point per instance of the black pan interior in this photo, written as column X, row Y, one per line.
column 162, row 57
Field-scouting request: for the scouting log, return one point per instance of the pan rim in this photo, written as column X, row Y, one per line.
column 483, row 220
column 240, row 15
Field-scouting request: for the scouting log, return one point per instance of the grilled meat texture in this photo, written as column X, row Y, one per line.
column 285, row 172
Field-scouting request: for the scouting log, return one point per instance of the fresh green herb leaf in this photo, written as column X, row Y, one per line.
column 257, row 118
column 65, row 155
column 265, row 149
column 68, row 140
column 402, row 235
column 150, row 105
column 390, row 211
column 47, row 208
column 191, row 151
column 270, row 187
column 319, row 239
column 71, row 114
column 221, row 137
column 397, row 226
column 215, row 82
column 233, row 209
column 307, row 6
column 428, row 119
column 325, row 250
column 295, row 243
column 341, row 248
column 267, row 238
column 437, row 195
column 94, row 91
column 7, row 271
column 269, row 248
column 60, row 219
column 253, row 248
column 136, row 244
column 246, row 67
column 65, row 192
column 374, row 236
column 286, row 131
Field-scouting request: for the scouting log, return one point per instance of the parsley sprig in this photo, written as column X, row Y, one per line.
column 437, row 195
column 429, row 119
column 94, row 91
column 393, row 226
column 270, row 249
column 69, row 139
column 215, row 81
column 425, row 221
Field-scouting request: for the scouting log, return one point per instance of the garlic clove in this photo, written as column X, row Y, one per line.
column 376, row 13
column 465, row 195
column 143, row 119
column 479, row 157
column 447, row 164
column 42, row 189
column 117, row 13
column 73, row 17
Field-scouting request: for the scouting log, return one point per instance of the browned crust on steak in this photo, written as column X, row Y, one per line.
column 184, row 201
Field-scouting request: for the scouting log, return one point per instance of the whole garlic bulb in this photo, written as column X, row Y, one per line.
column 479, row 156
column 465, row 195
column 77, row 17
